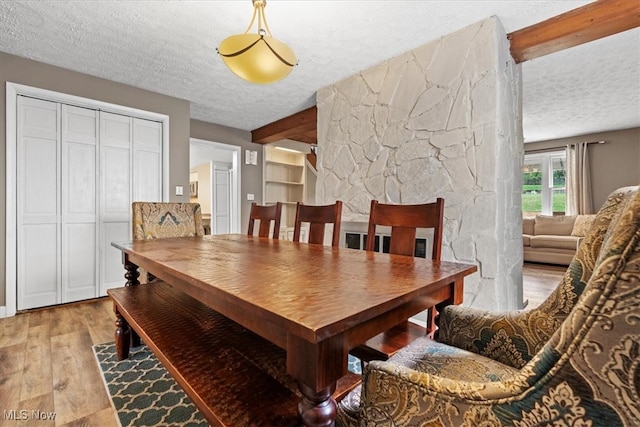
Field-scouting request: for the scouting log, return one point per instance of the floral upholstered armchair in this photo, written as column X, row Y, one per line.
column 575, row 360
column 157, row 220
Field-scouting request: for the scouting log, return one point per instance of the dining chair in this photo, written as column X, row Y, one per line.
column 265, row 214
column 157, row 220
column 569, row 361
column 318, row 217
column 404, row 221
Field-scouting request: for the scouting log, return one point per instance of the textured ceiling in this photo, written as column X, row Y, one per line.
column 170, row 47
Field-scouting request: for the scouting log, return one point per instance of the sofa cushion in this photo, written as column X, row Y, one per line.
column 556, row 225
column 528, row 224
column 582, row 225
column 526, row 240
column 554, row 242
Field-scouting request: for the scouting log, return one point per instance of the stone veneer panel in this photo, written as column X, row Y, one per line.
column 442, row 120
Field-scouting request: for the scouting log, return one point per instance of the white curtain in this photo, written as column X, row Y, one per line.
column 578, row 180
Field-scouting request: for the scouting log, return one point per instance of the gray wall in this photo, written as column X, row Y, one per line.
column 251, row 175
column 614, row 164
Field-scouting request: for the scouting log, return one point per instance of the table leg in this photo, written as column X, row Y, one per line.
column 123, row 335
column 317, row 408
column 457, row 296
column 132, row 274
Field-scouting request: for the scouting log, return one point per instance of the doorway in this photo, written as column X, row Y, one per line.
column 215, row 172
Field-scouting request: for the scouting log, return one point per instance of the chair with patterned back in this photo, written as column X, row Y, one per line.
column 265, row 214
column 514, row 337
column 404, row 221
column 157, row 220
column 570, row 361
column 318, row 217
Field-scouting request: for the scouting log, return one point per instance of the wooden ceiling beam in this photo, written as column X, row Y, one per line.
column 584, row 24
column 299, row 127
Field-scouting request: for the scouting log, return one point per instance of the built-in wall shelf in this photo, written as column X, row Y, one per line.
column 284, row 181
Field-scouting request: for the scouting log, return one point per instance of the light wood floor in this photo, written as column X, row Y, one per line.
column 47, row 364
column 539, row 280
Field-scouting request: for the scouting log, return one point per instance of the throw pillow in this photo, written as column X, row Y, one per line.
column 582, row 225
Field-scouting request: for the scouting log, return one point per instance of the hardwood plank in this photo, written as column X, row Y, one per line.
column 14, row 330
column 584, row 24
column 65, row 319
column 40, row 317
column 100, row 320
column 11, row 367
column 104, row 418
column 37, row 376
column 77, row 384
column 39, row 411
column 539, row 281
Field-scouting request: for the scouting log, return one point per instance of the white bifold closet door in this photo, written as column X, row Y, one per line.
column 130, row 170
column 75, row 188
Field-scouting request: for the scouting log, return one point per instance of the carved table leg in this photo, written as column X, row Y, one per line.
column 317, row 409
column 436, row 318
column 132, row 274
column 457, row 291
column 123, row 335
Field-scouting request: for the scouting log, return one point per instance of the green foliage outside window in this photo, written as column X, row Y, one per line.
column 533, row 202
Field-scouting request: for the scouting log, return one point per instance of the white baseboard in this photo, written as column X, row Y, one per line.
column 3, row 311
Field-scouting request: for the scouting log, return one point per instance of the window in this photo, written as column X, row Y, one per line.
column 543, row 183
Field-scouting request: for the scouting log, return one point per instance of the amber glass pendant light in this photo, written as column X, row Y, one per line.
column 257, row 57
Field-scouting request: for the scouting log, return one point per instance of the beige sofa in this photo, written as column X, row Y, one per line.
column 553, row 239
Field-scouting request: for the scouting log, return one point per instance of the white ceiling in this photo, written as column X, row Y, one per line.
column 170, row 47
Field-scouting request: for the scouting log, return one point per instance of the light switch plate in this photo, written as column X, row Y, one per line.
column 250, row 196
column 179, row 190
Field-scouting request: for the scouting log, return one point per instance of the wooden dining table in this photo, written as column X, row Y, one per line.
column 316, row 302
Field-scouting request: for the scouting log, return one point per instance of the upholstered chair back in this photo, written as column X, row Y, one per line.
column 155, row 220
column 514, row 337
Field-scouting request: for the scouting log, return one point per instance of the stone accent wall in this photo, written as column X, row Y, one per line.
column 443, row 120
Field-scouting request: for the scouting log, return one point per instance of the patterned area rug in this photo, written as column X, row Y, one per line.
column 142, row 391
column 144, row 394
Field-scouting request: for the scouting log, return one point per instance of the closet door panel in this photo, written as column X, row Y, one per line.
column 38, row 208
column 39, row 168
column 79, row 203
column 39, row 275
column 79, row 279
column 147, row 160
column 116, row 183
column 111, row 265
column 115, row 170
column 115, row 195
